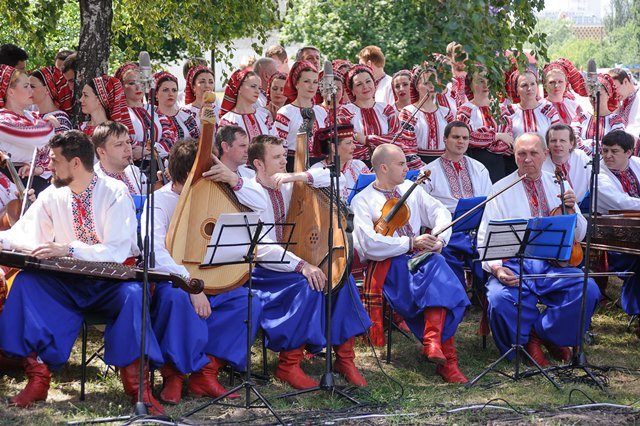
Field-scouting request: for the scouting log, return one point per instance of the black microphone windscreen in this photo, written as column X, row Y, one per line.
column 591, row 66
column 144, row 60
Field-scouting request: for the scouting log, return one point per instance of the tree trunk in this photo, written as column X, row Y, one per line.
column 95, row 42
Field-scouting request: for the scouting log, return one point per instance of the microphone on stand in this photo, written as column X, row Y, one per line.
column 592, row 83
column 146, row 80
column 327, row 85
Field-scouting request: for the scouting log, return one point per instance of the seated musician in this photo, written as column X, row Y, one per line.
column 454, row 176
column 291, row 326
column 232, row 144
column 430, row 298
column 198, row 334
column 574, row 163
column 557, row 326
column 350, row 168
column 114, row 151
column 89, row 218
column 619, row 189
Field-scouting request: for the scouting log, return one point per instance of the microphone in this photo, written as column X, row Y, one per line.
column 327, row 85
column 146, row 80
column 592, row 83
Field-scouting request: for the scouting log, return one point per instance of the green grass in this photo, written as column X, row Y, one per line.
column 425, row 400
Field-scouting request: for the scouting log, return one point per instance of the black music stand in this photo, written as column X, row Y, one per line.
column 256, row 235
column 524, row 239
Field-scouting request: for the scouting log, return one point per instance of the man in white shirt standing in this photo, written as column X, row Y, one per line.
column 373, row 57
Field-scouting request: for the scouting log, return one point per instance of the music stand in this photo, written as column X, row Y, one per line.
column 545, row 238
column 216, row 256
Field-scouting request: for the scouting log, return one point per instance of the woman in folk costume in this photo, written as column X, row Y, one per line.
column 200, row 79
column 423, row 123
column 184, row 123
column 241, row 93
column 374, row 123
column 129, row 76
column 584, row 123
column 103, row 100
column 350, row 168
column 491, row 139
column 20, row 130
column 54, row 98
column 526, row 111
column 400, row 83
column 300, row 90
column 275, row 95
column 559, row 76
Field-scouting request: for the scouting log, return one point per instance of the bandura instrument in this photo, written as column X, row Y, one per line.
column 98, row 270
column 309, row 210
column 201, row 203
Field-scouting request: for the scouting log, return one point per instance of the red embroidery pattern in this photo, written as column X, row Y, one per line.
column 629, row 181
column 536, row 197
column 82, row 209
column 457, row 175
column 279, row 213
column 625, row 108
column 122, row 177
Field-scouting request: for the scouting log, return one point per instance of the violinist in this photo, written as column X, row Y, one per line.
column 89, row 218
column 114, row 151
column 619, row 189
column 557, row 326
column 198, row 334
column 429, row 298
column 454, row 176
column 291, row 326
column 573, row 163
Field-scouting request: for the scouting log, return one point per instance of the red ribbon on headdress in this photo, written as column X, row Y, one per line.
column 231, row 91
column 276, row 76
column 161, row 77
column 290, row 91
column 111, row 96
column 356, row 69
column 58, row 88
column 125, row 68
column 6, row 72
column 416, row 73
column 189, row 91
column 575, row 79
column 614, row 97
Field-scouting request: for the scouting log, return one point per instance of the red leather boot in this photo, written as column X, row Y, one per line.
column 172, row 384
column 130, row 376
column 432, row 337
column 289, row 370
column 561, row 353
column 205, row 382
column 344, row 363
column 534, row 347
column 450, row 372
column 37, row 387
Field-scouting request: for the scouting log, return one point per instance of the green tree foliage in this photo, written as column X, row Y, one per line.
column 408, row 31
column 168, row 29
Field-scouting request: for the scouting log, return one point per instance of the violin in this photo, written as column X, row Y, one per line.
column 577, row 255
column 395, row 213
column 162, row 181
column 14, row 209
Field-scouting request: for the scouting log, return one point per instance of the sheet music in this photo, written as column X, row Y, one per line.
column 504, row 238
column 232, row 244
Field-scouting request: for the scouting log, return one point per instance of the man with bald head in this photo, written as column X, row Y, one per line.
column 265, row 68
column 557, row 326
column 428, row 296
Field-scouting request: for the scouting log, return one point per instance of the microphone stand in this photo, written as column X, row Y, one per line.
column 579, row 359
column 327, row 381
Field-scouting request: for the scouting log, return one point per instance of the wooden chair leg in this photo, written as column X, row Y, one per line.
column 83, row 367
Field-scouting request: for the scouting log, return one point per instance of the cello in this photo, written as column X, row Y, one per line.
column 200, row 204
column 309, row 210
